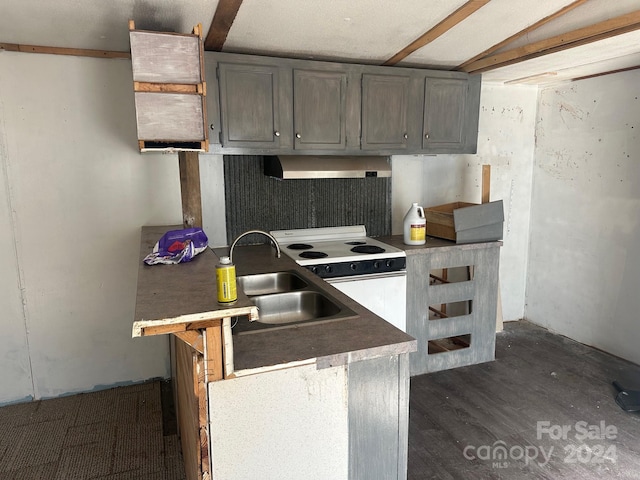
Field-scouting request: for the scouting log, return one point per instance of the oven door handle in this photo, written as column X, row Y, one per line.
column 370, row 276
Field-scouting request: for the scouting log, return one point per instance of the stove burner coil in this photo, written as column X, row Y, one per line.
column 355, row 242
column 312, row 254
column 367, row 249
column 300, row 246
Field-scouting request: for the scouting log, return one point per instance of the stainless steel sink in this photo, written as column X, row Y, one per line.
column 286, row 300
column 295, row 307
column 269, row 283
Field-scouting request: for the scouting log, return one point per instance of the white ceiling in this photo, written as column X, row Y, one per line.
column 366, row 31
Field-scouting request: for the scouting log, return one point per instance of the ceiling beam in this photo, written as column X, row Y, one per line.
column 522, row 33
column 221, row 24
column 448, row 23
column 610, row 72
column 78, row 52
column 582, row 36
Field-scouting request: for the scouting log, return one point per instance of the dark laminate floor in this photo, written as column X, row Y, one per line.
column 492, row 408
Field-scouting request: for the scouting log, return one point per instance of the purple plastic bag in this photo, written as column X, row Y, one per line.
column 178, row 246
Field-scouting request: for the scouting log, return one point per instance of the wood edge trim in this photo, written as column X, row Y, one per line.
column 581, row 36
column 77, row 52
column 522, row 33
column 446, row 24
column 609, row 72
column 195, row 89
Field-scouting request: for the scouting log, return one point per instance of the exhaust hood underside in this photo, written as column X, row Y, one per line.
column 326, row 166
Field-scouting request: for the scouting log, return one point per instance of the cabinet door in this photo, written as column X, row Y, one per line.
column 319, row 106
column 248, row 105
column 385, row 100
column 444, row 107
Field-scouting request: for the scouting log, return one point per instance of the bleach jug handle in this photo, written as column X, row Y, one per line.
column 421, row 211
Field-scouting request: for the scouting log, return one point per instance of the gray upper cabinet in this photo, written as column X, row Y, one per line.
column 248, row 105
column 385, row 107
column 279, row 106
column 444, row 113
column 319, row 110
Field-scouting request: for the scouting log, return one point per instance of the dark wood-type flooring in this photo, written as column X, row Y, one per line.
column 481, row 422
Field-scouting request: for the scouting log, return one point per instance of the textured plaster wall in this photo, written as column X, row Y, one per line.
column 584, row 268
column 74, row 192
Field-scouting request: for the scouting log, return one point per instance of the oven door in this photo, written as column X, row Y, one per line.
column 384, row 294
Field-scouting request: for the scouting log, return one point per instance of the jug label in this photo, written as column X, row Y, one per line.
column 418, row 232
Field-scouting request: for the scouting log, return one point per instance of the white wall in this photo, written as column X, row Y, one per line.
column 74, row 193
column 506, row 141
column 584, row 268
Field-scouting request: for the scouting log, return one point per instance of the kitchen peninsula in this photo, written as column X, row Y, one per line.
column 319, row 400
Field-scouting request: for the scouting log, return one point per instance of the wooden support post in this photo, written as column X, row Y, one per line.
column 486, row 193
column 486, row 183
column 190, row 188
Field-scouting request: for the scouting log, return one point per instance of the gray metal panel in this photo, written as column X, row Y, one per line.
column 254, row 200
column 378, row 418
column 481, row 321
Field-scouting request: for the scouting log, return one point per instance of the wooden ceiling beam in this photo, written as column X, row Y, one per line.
column 522, row 33
column 610, row 72
column 223, row 18
column 582, row 36
column 78, row 52
column 448, row 23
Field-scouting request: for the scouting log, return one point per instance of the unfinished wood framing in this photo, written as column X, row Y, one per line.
column 190, row 189
column 448, row 23
column 522, row 33
column 582, row 36
column 224, row 17
column 78, row 52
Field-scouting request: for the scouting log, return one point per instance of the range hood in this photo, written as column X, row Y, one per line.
column 326, row 166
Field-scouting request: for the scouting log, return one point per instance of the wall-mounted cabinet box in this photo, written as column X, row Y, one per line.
column 326, row 108
column 169, row 90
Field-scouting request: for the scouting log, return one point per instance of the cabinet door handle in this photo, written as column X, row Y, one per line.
column 426, row 135
column 276, row 133
column 405, row 136
column 298, row 135
column 212, row 126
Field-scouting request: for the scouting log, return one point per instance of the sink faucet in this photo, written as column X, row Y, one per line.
column 275, row 242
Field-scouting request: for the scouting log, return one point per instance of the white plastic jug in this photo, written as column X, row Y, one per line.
column 415, row 226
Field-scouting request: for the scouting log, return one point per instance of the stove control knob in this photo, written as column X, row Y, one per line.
column 314, row 270
column 354, row 266
column 376, row 264
column 389, row 263
column 328, row 269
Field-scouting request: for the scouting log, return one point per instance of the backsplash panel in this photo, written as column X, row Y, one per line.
column 255, row 201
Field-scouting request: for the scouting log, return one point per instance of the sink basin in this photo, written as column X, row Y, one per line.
column 269, row 283
column 292, row 307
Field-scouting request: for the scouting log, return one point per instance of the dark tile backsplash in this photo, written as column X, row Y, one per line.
column 255, row 201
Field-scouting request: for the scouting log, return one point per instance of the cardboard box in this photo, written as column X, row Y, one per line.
column 465, row 222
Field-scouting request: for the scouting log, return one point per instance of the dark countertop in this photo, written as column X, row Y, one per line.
column 171, row 291
column 433, row 242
